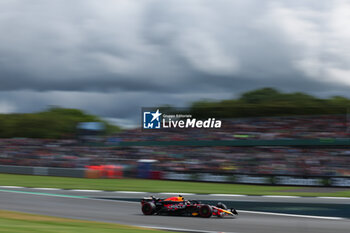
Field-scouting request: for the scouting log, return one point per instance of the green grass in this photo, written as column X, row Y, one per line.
column 154, row 186
column 16, row 222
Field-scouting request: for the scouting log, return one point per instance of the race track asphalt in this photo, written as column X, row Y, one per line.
column 79, row 206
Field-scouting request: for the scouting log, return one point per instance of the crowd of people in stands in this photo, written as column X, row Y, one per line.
column 248, row 160
column 261, row 128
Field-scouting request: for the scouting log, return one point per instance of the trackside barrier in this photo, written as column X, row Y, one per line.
column 67, row 172
column 44, row 171
column 92, row 174
column 104, row 171
column 319, row 181
column 22, row 170
column 107, row 171
column 156, row 175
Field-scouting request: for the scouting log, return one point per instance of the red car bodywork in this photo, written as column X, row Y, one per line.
column 179, row 206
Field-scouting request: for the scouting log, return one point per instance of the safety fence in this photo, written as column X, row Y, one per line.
column 108, row 171
column 117, row 172
column 333, row 181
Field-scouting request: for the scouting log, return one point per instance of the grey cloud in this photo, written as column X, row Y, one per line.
column 112, row 57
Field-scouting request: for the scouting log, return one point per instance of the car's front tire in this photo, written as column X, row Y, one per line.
column 148, row 208
column 205, row 211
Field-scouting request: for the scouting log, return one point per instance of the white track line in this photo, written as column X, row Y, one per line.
column 277, row 196
column 68, row 196
column 227, row 195
column 290, row 215
column 48, row 189
column 166, row 193
column 129, row 192
column 340, row 198
column 85, row 190
column 129, row 202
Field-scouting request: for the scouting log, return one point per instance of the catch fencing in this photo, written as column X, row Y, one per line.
column 118, row 172
column 261, row 179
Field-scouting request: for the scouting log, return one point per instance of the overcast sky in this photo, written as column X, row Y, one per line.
column 111, row 57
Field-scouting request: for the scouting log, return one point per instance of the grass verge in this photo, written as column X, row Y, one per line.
column 155, row 186
column 17, row 222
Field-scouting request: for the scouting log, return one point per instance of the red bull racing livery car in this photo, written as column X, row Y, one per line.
column 179, row 206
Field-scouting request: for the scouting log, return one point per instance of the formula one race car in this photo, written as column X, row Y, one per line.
column 180, row 206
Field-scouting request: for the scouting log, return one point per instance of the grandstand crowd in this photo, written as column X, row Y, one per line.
column 248, row 160
column 263, row 128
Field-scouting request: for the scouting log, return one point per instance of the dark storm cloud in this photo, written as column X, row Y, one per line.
column 112, row 57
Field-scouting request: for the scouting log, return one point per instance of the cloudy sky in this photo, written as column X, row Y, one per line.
column 111, row 57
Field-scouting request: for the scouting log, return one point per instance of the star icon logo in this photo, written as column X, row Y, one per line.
column 156, row 115
column 151, row 119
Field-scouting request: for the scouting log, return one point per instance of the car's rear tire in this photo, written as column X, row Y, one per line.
column 221, row 206
column 205, row 211
column 148, row 208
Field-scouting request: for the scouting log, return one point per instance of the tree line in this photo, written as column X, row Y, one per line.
column 62, row 123
column 268, row 102
column 52, row 123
